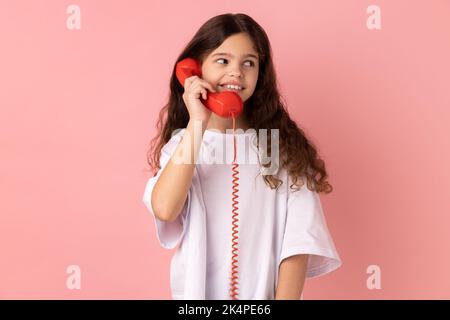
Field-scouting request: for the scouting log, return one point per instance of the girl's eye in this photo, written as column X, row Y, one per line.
column 251, row 62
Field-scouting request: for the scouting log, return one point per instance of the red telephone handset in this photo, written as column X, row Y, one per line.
column 226, row 104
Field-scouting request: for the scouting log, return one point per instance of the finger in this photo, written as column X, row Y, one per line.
column 194, row 88
column 204, row 94
column 209, row 86
column 189, row 80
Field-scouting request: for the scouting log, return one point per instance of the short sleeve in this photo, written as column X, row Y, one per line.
column 306, row 232
column 169, row 233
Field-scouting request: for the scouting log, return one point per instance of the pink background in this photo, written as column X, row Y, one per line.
column 78, row 109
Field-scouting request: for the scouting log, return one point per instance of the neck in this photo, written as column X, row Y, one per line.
column 222, row 124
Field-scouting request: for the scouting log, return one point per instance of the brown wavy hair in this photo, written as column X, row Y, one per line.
column 263, row 110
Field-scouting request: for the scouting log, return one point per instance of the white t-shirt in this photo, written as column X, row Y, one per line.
column 272, row 224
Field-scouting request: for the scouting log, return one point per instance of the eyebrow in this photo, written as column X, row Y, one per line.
column 230, row 55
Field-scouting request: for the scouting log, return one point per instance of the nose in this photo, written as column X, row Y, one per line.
column 235, row 70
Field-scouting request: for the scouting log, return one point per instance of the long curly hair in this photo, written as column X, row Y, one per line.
column 263, row 110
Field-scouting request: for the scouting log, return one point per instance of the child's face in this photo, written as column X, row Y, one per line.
column 239, row 68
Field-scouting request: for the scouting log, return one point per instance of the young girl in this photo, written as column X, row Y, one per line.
column 242, row 234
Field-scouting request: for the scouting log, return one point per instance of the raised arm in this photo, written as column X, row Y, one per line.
column 170, row 191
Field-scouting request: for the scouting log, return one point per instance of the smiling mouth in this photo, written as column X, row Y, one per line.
column 223, row 88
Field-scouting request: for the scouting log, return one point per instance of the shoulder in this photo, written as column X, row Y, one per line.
column 171, row 145
column 299, row 187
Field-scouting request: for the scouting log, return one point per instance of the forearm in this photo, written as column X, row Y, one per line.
column 170, row 191
column 291, row 277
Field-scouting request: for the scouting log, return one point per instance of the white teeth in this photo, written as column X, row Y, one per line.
column 230, row 86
